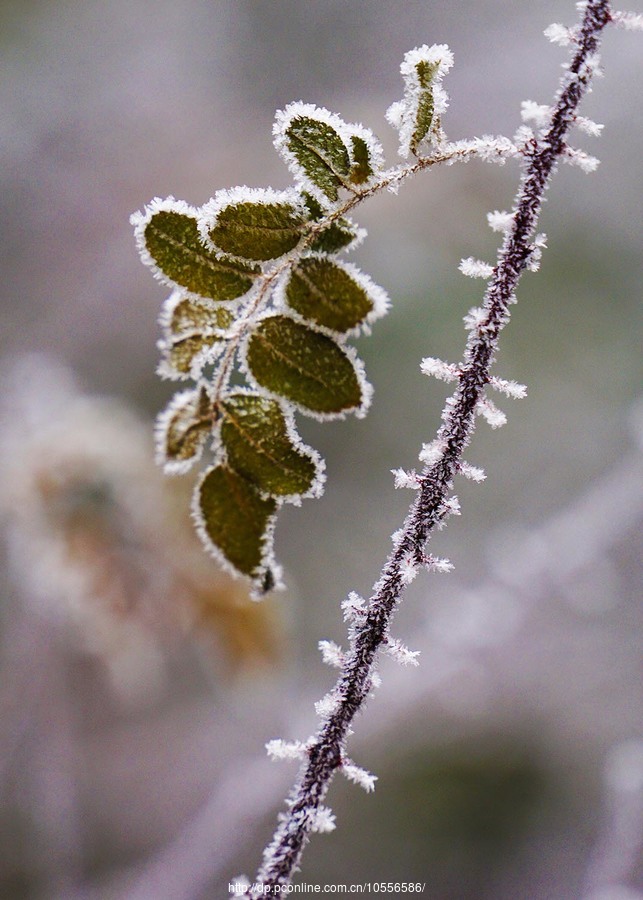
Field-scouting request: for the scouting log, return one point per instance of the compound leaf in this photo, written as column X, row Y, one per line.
column 235, row 520
column 170, row 240
column 261, row 446
column 321, row 290
column 256, row 230
column 304, row 366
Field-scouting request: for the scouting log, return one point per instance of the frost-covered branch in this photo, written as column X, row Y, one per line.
column 370, row 622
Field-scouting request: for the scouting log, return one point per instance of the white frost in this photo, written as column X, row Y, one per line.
column 359, row 776
column 500, row 220
column 475, row 268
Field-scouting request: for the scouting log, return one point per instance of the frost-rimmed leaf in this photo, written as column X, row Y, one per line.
column 168, row 240
column 253, row 223
column 261, row 444
column 324, row 152
column 307, row 367
column 182, row 430
column 236, row 525
column 182, row 314
column 332, row 294
column 186, row 356
column 416, row 116
column 340, row 234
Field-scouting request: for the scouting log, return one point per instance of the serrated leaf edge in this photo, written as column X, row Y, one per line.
column 208, row 214
column 365, row 386
column 376, row 293
column 267, row 561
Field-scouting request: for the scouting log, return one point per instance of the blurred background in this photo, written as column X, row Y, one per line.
column 138, row 685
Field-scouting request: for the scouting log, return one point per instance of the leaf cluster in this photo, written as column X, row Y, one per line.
column 259, row 289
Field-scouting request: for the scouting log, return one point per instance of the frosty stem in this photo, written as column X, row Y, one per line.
column 326, row 753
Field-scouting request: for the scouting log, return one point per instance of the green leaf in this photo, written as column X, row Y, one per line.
column 304, row 366
column 259, row 447
column 425, row 103
column 182, row 352
column 184, row 428
column 361, row 170
column 257, row 231
column 339, row 234
column 324, row 292
column 173, row 242
column 235, row 519
column 192, row 315
column 320, row 152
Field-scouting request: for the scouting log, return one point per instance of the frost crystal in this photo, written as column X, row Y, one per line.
column 353, row 608
column 560, row 34
column 322, row 820
column 331, row 653
column 475, row 268
column 588, row 126
column 500, row 221
column 509, row 388
column 472, row 472
column 404, row 479
column 439, row 369
column 279, row 749
column 408, row 569
column 538, row 113
column 359, row 776
column 628, row 20
column 490, row 412
column 327, row 705
column 431, row 453
column 401, row 653
column 474, row 318
column 438, row 564
column 581, row 159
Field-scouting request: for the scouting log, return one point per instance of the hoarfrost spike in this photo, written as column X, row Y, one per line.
column 279, row 749
column 401, row 653
column 332, row 653
column 358, row 775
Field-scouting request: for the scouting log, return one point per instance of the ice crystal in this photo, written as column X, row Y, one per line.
column 475, row 268
column 359, row 776
column 439, row 369
column 332, row 653
column 490, row 412
column 472, row 472
column 401, row 653
column 404, row 479
column 500, row 221
column 561, row 34
column 279, row 749
column 323, row 820
column 628, row 20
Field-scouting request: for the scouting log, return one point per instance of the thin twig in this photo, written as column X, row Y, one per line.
column 326, row 752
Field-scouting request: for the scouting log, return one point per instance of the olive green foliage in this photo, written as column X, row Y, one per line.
column 259, row 292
